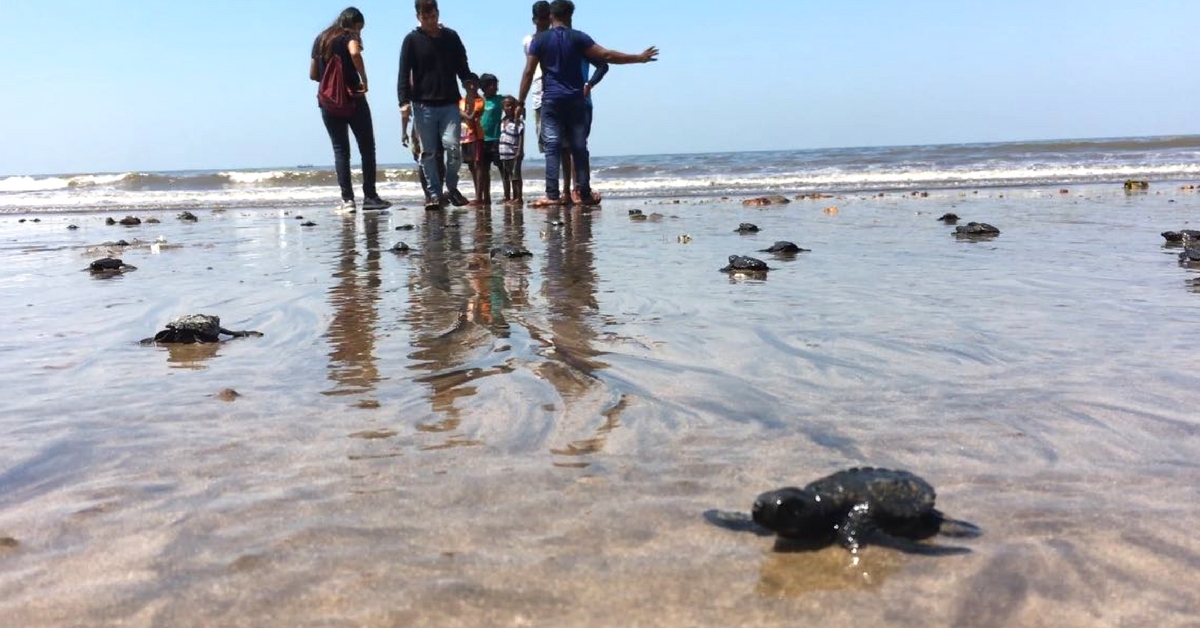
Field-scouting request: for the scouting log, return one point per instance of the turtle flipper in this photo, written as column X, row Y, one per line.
column 908, row 546
column 856, row 525
column 736, row 521
column 957, row 529
column 239, row 334
column 859, row 529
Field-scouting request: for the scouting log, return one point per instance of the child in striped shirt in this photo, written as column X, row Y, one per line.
column 512, row 152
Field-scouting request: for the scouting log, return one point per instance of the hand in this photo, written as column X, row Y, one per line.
column 404, row 138
column 649, row 54
column 587, row 90
column 519, row 112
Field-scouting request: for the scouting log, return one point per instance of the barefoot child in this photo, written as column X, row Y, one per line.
column 471, row 108
column 493, row 106
column 512, row 152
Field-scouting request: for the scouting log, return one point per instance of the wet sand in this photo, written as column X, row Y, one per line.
column 446, row 438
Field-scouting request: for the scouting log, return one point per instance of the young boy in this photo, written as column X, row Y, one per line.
column 493, row 106
column 471, row 109
column 512, row 152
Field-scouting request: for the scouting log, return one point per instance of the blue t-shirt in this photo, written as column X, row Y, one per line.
column 560, row 51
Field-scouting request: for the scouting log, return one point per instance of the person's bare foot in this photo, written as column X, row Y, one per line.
column 546, row 201
column 589, row 201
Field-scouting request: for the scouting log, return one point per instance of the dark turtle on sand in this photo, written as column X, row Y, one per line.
column 976, row 230
column 746, row 227
column 783, row 247
column 188, row 216
column 854, row 507
column 193, row 328
column 1190, row 256
column 1183, row 235
column 400, row 248
column 1132, row 185
column 949, row 218
column 511, row 251
column 745, row 264
column 109, row 266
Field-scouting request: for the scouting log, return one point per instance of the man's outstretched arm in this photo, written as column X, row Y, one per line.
column 599, row 53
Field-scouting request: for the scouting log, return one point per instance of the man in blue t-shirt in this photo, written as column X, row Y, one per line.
column 562, row 52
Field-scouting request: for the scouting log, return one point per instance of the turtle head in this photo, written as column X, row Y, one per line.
column 789, row 512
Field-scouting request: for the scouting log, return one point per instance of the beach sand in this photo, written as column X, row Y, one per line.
column 444, row 438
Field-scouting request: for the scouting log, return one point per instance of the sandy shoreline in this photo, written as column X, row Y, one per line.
column 446, row 438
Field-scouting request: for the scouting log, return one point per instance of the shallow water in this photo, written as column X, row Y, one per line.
column 446, row 438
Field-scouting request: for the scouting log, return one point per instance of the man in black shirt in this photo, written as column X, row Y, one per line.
column 433, row 62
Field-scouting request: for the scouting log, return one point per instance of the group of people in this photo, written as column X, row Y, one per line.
column 479, row 127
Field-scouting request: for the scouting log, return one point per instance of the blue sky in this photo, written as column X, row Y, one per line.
column 140, row 85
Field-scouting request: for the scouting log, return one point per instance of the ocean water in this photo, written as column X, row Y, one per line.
column 449, row 438
column 841, row 170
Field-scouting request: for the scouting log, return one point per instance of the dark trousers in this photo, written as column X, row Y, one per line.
column 567, row 122
column 364, row 134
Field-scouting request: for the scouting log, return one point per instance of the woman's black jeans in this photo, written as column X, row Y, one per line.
column 364, row 134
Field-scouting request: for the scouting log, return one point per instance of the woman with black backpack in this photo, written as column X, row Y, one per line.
column 337, row 65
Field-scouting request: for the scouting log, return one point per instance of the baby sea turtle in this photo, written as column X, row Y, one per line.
column 885, row 507
column 108, row 266
column 746, row 227
column 511, row 251
column 188, row 216
column 745, row 263
column 783, row 247
column 400, row 248
column 976, row 230
column 193, row 328
column 949, row 218
column 1183, row 235
column 1190, row 256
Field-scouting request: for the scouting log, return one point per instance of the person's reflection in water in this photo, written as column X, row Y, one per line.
column 355, row 299
column 514, row 280
column 569, row 287
column 570, row 291
column 483, row 307
column 454, row 316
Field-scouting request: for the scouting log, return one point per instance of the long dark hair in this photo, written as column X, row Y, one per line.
column 343, row 25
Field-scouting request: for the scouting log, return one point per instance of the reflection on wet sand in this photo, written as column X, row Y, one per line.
column 793, row 574
column 596, row 443
column 569, row 288
column 466, row 304
column 458, row 298
column 354, row 296
column 191, row 356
